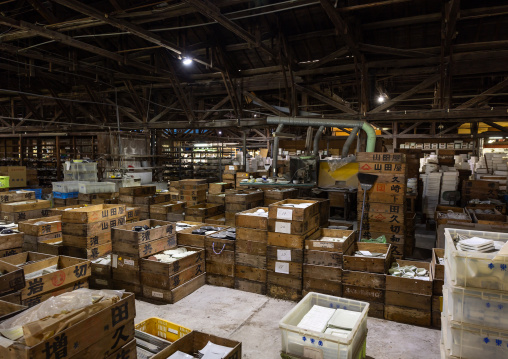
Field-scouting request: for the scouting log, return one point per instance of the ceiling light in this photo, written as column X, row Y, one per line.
column 220, row 132
column 381, row 99
column 186, row 61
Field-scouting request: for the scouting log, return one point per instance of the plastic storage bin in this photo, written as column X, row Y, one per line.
column 468, row 341
column 163, row 329
column 476, row 306
column 80, row 176
column 66, row 186
column 81, row 166
column 96, row 187
column 62, row 195
column 472, row 269
column 295, row 339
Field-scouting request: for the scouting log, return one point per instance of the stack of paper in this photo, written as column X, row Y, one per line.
column 316, row 318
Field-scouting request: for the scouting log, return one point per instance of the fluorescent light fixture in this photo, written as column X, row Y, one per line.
column 186, row 61
column 496, row 138
column 202, row 144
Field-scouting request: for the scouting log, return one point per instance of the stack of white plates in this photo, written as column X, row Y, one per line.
column 476, row 244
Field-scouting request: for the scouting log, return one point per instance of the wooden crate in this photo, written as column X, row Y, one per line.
column 380, row 157
column 195, row 341
column 251, row 247
column 409, row 300
column 408, row 315
column 324, row 209
column 281, row 194
column 8, row 310
column 204, row 210
column 125, row 233
column 255, row 222
column 322, row 258
column 250, row 286
column 24, row 258
column 95, row 213
column 249, row 234
column 87, row 241
column 322, row 272
column 220, row 280
column 17, row 196
column 282, row 286
column 411, row 286
column 279, row 211
column 388, row 208
column 13, row 240
column 30, row 302
column 250, row 273
column 91, row 229
column 364, row 294
column 145, row 249
column 88, row 253
column 70, row 270
column 385, row 168
column 25, row 206
column 174, row 295
column 216, row 198
column 16, row 217
column 314, row 241
column 10, row 252
column 13, row 278
column 152, row 200
column 168, row 207
column 364, row 279
column 323, row 286
column 220, row 220
column 138, row 191
column 307, row 226
column 220, row 187
column 368, row 264
column 81, row 335
column 287, row 240
column 186, row 238
column 34, row 227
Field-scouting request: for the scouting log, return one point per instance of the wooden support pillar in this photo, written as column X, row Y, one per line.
column 58, row 160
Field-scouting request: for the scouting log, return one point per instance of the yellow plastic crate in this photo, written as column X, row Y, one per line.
column 163, row 329
column 4, row 181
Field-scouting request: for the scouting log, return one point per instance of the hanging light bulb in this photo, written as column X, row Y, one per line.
column 186, row 61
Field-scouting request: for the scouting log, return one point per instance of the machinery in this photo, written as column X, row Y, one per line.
column 303, row 169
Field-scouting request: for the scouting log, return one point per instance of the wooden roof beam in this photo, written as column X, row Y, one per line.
column 211, row 11
column 392, row 102
column 136, row 100
column 215, row 108
column 31, row 107
column 485, row 95
column 341, row 27
column 323, row 98
column 44, row 11
column 60, row 104
column 330, row 57
column 392, row 51
column 263, row 104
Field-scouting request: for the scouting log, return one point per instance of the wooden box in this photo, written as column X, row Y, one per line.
column 168, row 207
column 17, row 217
column 132, row 213
column 215, row 188
column 154, row 199
column 16, row 196
column 171, row 275
column 13, row 240
column 174, row 295
column 249, row 234
column 250, row 247
column 204, row 210
column 255, row 222
column 294, row 227
column 10, row 252
column 40, row 227
column 95, row 213
column 87, row 241
column 314, row 241
column 380, row 157
column 282, row 194
column 250, row 286
column 25, row 206
column 138, row 191
column 324, row 258
column 408, row 315
column 186, row 238
column 411, row 286
column 194, row 341
column 494, row 219
column 244, row 197
column 283, row 286
column 91, row 229
column 8, row 310
column 279, row 211
column 287, row 240
column 437, row 271
column 364, row 279
column 75, row 339
column 443, row 209
column 324, row 209
column 22, row 259
column 216, row 198
column 220, row 220
column 59, row 210
column 69, row 270
column 125, row 234
column 13, row 278
column 368, row 264
column 88, row 253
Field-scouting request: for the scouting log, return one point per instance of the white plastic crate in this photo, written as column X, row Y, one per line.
column 80, row 176
column 473, row 269
column 81, row 166
column 295, row 340
column 96, row 187
column 469, row 341
column 476, row 306
column 66, row 186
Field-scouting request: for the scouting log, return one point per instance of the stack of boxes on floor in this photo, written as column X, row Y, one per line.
column 220, row 258
column 364, row 276
column 43, row 235
column 142, row 197
column 192, row 191
column 11, row 241
column 475, row 295
column 482, row 190
column 131, row 243
column 290, row 223
column 174, row 190
column 409, row 300
column 385, row 202
column 250, row 257
column 15, row 208
column 239, row 201
column 229, row 175
column 87, row 230
column 323, row 261
column 65, row 193
column 132, row 214
column 105, row 331
column 47, row 276
column 202, row 212
column 98, row 198
column 217, row 196
column 438, row 269
column 172, row 211
column 276, row 195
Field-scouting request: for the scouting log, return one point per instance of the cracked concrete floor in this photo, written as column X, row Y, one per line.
column 253, row 319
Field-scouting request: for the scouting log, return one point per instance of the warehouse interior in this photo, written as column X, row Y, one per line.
column 296, row 179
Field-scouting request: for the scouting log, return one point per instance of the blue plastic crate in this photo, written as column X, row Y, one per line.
column 62, row 195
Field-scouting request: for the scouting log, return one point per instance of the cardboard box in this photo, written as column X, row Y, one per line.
column 17, row 175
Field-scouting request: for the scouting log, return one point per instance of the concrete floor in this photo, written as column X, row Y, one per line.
column 253, row 319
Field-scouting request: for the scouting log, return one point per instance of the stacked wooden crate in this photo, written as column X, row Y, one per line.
column 12, row 279
column 250, row 256
column 385, row 202
column 482, row 190
column 288, row 228
column 323, row 261
column 240, row 176
column 220, row 258
column 172, row 211
column 139, row 197
column 60, row 202
column 87, row 230
column 195, row 236
column 276, row 195
column 174, row 190
column 130, row 246
column 364, row 276
column 21, row 211
column 239, row 201
column 229, row 175
column 43, row 235
column 106, row 332
column 200, row 212
column 96, row 198
column 102, row 276
column 437, row 269
column 71, row 273
column 170, row 282
column 11, row 243
column 324, row 210
column 192, row 191
column 219, row 187
column 132, row 214
column 409, row 300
